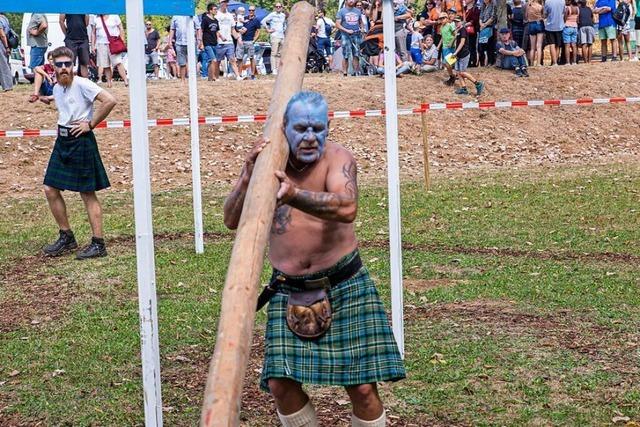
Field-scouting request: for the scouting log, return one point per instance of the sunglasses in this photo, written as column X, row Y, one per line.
column 63, row 64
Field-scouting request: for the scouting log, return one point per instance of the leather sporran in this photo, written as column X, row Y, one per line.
column 309, row 313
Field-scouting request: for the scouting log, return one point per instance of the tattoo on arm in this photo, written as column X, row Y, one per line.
column 281, row 220
column 350, row 172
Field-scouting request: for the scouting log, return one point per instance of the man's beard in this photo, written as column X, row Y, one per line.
column 64, row 77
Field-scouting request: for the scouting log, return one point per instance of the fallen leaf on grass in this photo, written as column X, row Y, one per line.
column 14, row 373
column 58, row 372
column 620, row 419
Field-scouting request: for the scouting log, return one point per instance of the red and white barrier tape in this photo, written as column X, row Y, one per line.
column 252, row 118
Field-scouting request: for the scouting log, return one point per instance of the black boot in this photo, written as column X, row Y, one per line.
column 65, row 243
column 450, row 81
column 95, row 249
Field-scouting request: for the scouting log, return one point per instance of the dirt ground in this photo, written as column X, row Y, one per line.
column 459, row 140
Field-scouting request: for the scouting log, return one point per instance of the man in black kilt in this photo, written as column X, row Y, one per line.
column 75, row 163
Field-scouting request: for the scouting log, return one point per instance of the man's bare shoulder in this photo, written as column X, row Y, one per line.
column 336, row 153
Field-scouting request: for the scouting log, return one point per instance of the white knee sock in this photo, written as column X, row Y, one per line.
column 305, row 417
column 380, row 422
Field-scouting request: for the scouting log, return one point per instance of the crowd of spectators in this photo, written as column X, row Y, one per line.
column 447, row 35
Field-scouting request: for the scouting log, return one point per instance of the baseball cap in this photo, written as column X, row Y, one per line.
column 442, row 15
column 452, row 10
column 504, row 31
column 416, row 24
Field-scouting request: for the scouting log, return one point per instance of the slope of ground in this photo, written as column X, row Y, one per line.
column 459, row 140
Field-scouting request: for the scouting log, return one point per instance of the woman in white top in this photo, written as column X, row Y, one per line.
column 100, row 45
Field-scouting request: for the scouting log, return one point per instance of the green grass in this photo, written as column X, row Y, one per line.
column 492, row 340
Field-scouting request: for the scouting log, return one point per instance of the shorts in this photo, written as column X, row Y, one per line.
column 416, row 55
column 446, row 51
column 637, row 19
column 246, row 48
column 628, row 27
column 182, row 55
column 37, row 56
column 586, row 35
column 46, row 89
column 225, row 51
column 553, row 37
column 105, row 59
column 536, row 27
column 209, row 54
column 351, row 45
column 80, row 49
column 570, row 35
column 462, row 64
column 324, row 46
column 152, row 58
column 607, row 33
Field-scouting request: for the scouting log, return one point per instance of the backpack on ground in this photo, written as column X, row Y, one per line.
column 621, row 14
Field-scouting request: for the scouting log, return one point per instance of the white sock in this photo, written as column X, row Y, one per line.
column 380, row 422
column 305, row 417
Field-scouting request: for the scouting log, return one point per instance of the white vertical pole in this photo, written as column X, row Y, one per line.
column 145, row 255
column 195, row 136
column 393, row 173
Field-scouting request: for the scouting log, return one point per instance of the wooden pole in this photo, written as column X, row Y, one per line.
column 425, row 150
column 221, row 406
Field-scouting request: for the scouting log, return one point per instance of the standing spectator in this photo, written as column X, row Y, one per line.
column 76, row 38
column 510, row 55
column 570, row 32
column 435, row 15
column 461, row 54
column 324, row 26
column 606, row 27
column 586, row 32
column 349, row 23
column 44, row 80
column 152, row 47
column 275, row 23
column 225, row 48
column 473, row 28
column 449, row 43
column 37, row 30
column 249, row 33
column 535, row 25
column 487, row 21
column 416, row 44
column 75, row 163
column 112, row 24
column 170, row 55
column 424, row 17
column 517, row 22
column 637, row 29
column 429, row 56
column 400, row 16
column 6, row 79
column 553, row 27
column 179, row 28
column 210, row 26
column 624, row 30
column 365, row 19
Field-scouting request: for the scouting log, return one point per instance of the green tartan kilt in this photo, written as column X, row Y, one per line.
column 359, row 347
column 75, row 165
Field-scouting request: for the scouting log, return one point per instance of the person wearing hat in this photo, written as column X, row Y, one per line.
column 510, row 55
column 462, row 55
column 416, row 44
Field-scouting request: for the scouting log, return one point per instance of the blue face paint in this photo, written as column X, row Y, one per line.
column 306, row 130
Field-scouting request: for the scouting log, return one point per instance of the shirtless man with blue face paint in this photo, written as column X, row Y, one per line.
column 313, row 241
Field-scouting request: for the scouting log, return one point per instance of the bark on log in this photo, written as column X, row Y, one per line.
column 221, row 406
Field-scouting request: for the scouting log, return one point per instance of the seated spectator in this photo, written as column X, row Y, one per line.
column 402, row 67
column 44, row 81
column 510, row 55
column 429, row 56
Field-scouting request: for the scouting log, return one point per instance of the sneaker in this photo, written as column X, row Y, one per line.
column 614, row 59
column 635, row 59
column 479, row 87
column 65, row 243
column 450, row 81
column 525, row 72
column 239, row 78
column 603, row 59
column 518, row 72
column 462, row 91
column 95, row 249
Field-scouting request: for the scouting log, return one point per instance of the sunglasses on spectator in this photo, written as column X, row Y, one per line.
column 278, row 5
column 252, row 10
column 63, row 64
